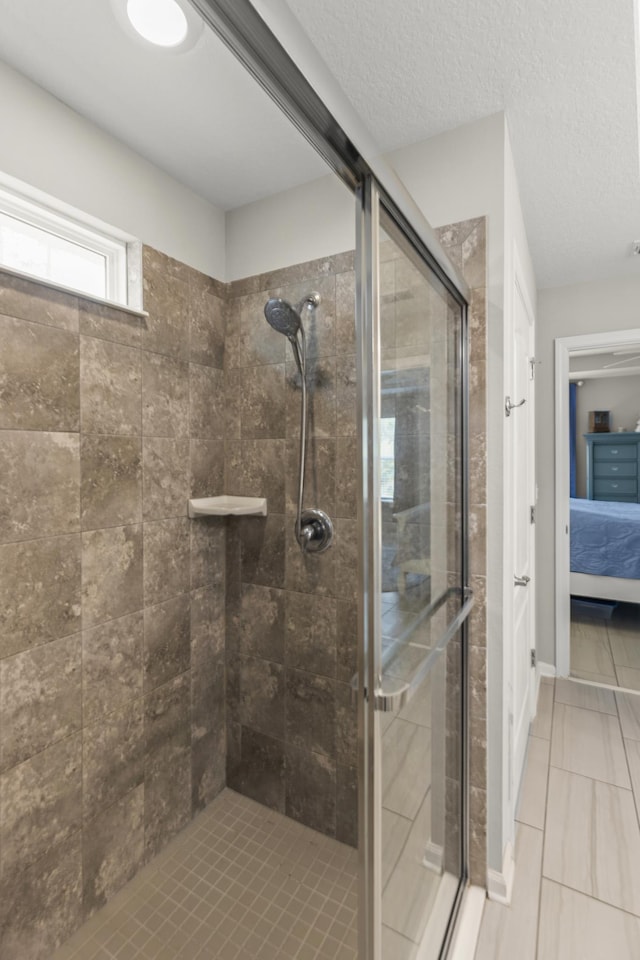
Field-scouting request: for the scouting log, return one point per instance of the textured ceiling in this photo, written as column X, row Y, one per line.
column 197, row 115
column 564, row 72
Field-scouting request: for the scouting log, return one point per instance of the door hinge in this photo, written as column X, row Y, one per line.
column 532, row 514
column 532, row 367
column 533, row 658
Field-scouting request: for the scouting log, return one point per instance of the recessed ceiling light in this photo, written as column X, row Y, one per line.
column 162, row 22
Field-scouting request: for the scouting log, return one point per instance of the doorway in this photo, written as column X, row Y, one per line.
column 597, row 508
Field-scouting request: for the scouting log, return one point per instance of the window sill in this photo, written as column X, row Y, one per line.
column 52, row 285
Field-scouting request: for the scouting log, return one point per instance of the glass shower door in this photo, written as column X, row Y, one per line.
column 415, row 600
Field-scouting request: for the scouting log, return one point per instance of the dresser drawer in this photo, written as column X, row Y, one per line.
column 620, row 468
column 616, row 487
column 615, row 451
column 611, row 499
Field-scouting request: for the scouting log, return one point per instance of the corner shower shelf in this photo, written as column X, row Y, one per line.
column 226, row 506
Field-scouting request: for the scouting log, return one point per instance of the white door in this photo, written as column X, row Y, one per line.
column 520, row 425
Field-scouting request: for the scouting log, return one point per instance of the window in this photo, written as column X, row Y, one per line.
column 39, row 241
column 387, row 457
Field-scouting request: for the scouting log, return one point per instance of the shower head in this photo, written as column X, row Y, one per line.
column 282, row 317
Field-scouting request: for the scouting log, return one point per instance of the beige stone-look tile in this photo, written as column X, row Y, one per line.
column 166, row 559
column 165, row 478
column 113, row 849
column 310, row 781
column 406, row 764
column 588, row 743
column 629, row 710
column 167, row 640
column 585, row 695
column 310, row 633
column 41, row 803
column 167, row 800
column 541, row 726
column 112, row 758
column 508, row 932
column 208, row 554
column 590, row 651
column 576, row 927
column 166, row 299
column 111, row 481
column 533, row 790
column 208, row 622
column 39, row 380
column 625, row 647
column 165, row 396
column 310, row 721
column 39, row 592
column 42, row 904
column 40, row 699
column 108, row 323
column 39, row 484
column 208, row 318
column 110, row 388
column 206, row 468
column 628, row 678
column 111, row 666
column 321, row 398
column 111, row 573
column 592, row 839
column 257, row 468
column 38, row 303
column 207, row 402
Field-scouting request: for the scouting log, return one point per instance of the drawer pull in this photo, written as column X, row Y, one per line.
column 614, row 485
column 614, row 468
column 613, row 452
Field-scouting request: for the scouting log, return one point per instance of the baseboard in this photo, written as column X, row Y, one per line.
column 468, row 926
column 545, row 669
column 500, row 883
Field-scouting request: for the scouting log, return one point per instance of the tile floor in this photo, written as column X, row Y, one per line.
column 239, row 883
column 607, row 651
column 576, row 893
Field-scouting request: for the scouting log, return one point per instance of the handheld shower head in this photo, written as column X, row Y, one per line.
column 282, row 317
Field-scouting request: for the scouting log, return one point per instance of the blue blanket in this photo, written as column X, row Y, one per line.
column 605, row 538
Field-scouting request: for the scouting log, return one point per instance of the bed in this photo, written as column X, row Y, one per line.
column 605, row 550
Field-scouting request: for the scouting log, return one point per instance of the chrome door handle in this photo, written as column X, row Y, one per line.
column 393, row 700
column 508, row 406
column 521, row 581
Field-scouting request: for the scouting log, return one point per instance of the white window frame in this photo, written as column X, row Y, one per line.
column 113, row 246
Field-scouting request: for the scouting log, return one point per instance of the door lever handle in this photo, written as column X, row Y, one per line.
column 521, row 581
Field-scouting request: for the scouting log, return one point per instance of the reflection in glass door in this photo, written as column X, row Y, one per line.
column 415, row 600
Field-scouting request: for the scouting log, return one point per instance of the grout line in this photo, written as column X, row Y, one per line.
column 636, row 800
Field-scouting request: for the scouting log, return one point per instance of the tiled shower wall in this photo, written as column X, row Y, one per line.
column 292, row 625
column 111, row 600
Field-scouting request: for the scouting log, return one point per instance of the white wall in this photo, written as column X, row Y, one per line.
column 566, row 312
column 619, row 395
column 315, row 220
column 50, row 147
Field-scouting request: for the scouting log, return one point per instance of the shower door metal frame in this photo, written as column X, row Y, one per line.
column 370, row 203
column 351, row 153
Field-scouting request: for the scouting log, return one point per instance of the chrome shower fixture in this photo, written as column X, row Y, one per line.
column 314, row 529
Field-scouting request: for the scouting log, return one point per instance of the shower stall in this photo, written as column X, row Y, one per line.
column 270, row 755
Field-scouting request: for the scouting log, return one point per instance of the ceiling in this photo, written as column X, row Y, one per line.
column 565, row 73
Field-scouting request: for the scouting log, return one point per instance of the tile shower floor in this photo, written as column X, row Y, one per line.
column 576, row 891
column 239, row 883
column 607, row 651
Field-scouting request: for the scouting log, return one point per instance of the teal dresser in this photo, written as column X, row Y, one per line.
column 612, row 466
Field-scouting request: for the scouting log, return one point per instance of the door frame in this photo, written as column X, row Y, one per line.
column 564, row 346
